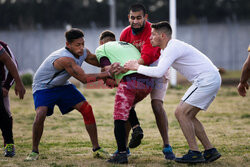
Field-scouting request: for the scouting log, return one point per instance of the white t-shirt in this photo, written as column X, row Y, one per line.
column 186, row 59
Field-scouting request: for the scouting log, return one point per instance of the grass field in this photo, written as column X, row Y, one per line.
column 65, row 141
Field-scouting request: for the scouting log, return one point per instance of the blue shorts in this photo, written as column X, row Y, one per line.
column 65, row 97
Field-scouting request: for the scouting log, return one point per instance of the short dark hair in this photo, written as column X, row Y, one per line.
column 107, row 33
column 163, row 26
column 137, row 7
column 73, row 33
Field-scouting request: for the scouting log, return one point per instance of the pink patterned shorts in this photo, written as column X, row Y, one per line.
column 127, row 95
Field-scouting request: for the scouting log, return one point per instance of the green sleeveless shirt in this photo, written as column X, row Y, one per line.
column 117, row 51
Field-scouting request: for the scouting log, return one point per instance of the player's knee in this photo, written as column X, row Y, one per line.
column 87, row 113
column 40, row 116
column 178, row 113
column 157, row 106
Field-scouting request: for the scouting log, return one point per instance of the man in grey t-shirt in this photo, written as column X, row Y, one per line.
column 51, row 87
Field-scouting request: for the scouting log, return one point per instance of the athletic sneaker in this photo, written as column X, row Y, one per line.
column 116, row 152
column 9, row 150
column 191, row 157
column 101, row 153
column 137, row 135
column 119, row 158
column 211, row 155
column 33, row 156
column 168, row 152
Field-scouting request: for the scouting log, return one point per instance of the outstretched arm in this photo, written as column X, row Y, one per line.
column 77, row 72
column 156, row 71
column 243, row 85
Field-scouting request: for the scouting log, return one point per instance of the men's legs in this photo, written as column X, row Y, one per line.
column 185, row 114
column 120, row 135
column 128, row 128
column 37, row 132
column 120, row 157
column 157, row 97
column 137, row 133
column 6, row 128
column 86, row 110
column 133, row 119
column 8, row 125
column 210, row 154
column 124, row 99
column 89, row 120
column 161, row 119
column 201, row 134
column 38, row 126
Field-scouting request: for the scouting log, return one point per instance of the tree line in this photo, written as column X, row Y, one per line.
column 32, row 14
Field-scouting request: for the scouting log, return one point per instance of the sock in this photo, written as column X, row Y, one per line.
column 96, row 149
column 133, row 120
column 35, row 151
column 120, row 135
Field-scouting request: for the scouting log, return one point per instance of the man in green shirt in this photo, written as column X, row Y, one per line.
column 132, row 87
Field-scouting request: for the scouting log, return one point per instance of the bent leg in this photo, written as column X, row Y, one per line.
column 127, row 128
column 201, row 134
column 161, row 119
column 86, row 110
column 185, row 114
column 8, row 125
column 157, row 97
column 38, row 126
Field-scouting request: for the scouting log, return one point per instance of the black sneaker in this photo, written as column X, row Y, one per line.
column 191, row 157
column 119, row 158
column 9, row 150
column 137, row 135
column 211, row 155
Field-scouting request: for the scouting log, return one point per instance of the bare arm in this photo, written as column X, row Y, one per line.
column 141, row 61
column 19, row 88
column 91, row 59
column 243, row 85
column 77, row 72
column 245, row 70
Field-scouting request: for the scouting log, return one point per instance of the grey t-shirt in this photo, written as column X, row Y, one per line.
column 47, row 76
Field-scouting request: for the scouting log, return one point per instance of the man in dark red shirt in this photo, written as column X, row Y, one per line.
column 138, row 33
column 6, row 82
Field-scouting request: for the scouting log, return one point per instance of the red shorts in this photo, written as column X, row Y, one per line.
column 127, row 95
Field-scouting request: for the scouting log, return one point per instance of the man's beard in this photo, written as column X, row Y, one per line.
column 137, row 30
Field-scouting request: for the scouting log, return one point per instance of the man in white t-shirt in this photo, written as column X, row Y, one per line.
column 199, row 70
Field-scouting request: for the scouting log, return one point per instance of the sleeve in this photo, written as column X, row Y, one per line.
column 167, row 59
column 100, row 52
column 104, row 61
column 149, row 53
